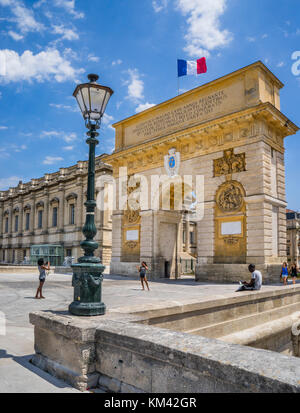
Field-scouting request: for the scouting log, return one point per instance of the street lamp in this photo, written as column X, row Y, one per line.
column 87, row 280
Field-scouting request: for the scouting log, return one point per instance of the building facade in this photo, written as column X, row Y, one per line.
column 293, row 237
column 229, row 134
column 51, row 211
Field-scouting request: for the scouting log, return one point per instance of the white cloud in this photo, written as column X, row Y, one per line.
column 50, row 134
column 67, row 34
column 46, row 65
column 15, row 35
column 50, row 160
column 250, row 39
column 4, row 153
column 203, row 20
column 107, row 119
column 70, row 54
column 264, row 36
column 67, row 137
column 68, row 148
column 93, row 58
column 159, row 5
column 23, row 17
column 144, row 106
column 117, row 62
column 19, row 148
column 3, row 127
column 69, row 6
column 39, row 4
column 65, row 107
column 135, row 85
column 10, row 182
column 280, row 64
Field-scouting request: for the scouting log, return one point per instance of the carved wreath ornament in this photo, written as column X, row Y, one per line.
column 132, row 244
column 131, row 216
column 230, row 197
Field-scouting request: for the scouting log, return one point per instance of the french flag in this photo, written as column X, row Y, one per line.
column 191, row 67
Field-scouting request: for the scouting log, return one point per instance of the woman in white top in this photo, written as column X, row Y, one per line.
column 42, row 269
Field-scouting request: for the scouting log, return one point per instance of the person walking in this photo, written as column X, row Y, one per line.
column 42, row 270
column 143, row 275
column 284, row 273
column 294, row 273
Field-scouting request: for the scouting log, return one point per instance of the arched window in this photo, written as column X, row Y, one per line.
column 16, row 223
column 71, row 199
column 16, row 216
column 54, row 204
column 27, row 210
column 54, row 217
column 72, row 214
column 6, row 221
column 40, row 210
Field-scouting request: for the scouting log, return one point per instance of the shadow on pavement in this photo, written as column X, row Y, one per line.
column 25, row 361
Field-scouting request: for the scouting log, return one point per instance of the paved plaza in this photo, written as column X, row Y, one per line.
column 17, row 293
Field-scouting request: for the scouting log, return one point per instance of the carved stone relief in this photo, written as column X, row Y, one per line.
column 230, row 197
column 230, row 163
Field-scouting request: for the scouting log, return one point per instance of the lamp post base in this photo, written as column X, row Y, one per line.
column 87, row 283
column 87, row 309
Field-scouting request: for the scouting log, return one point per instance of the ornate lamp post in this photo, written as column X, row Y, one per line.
column 92, row 99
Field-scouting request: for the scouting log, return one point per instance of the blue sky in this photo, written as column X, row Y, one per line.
column 50, row 45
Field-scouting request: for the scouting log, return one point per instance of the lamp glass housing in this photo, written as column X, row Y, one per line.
column 92, row 99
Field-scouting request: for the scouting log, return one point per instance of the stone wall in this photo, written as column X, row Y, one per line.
column 126, row 357
column 141, row 358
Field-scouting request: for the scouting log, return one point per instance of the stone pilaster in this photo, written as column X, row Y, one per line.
column 21, row 218
column 10, row 217
column 116, row 241
column 187, row 231
column 1, row 222
column 281, row 177
column 61, row 212
column 205, row 235
column 259, row 231
column 282, row 234
column 32, row 214
column 80, row 202
column 147, row 234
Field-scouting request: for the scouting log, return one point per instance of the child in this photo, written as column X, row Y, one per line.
column 42, row 269
column 142, row 270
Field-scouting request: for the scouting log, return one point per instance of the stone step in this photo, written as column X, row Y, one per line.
column 274, row 335
column 225, row 328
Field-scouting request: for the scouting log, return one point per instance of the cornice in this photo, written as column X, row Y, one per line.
column 264, row 111
column 261, row 123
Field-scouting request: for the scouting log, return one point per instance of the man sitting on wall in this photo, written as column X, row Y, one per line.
column 256, row 280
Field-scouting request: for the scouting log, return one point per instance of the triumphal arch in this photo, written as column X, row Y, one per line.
column 210, row 160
